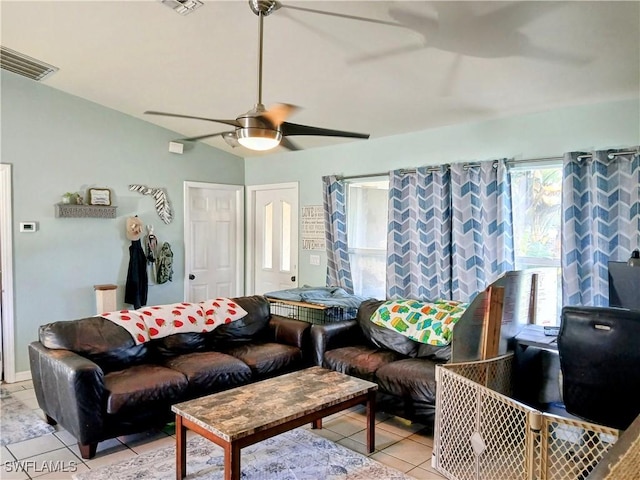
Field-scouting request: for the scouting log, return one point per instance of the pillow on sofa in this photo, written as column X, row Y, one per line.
column 426, row 322
column 383, row 337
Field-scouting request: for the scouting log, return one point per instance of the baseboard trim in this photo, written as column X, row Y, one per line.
column 22, row 376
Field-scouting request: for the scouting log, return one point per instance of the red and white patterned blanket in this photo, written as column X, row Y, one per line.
column 160, row 321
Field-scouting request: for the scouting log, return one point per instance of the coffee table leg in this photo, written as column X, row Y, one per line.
column 371, row 422
column 181, row 449
column 316, row 423
column 231, row 462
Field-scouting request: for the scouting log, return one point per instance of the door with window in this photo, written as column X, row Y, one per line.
column 273, row 241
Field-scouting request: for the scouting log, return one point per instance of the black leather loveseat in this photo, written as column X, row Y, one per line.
column 91, row 377
column 405, row 370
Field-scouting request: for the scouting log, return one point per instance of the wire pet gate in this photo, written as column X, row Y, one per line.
column 311, row 313
column 481, row 433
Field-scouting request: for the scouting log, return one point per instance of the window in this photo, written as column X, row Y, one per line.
column 367, row 204
column 537, row 193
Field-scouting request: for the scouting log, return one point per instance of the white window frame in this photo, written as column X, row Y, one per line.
column 368, row 251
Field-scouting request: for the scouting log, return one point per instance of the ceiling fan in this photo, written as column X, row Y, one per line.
column 259, row 128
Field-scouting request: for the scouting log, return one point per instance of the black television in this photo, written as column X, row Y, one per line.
column 624, row 286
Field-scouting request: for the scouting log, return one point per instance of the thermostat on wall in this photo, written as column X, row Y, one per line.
column 28, row 227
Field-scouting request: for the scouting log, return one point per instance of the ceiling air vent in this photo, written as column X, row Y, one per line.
column 183, row 7
column 21, row 64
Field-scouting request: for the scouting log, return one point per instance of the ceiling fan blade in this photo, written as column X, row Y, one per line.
column 295, row 129
column 279, row 112
column 233, row 123
column 387, row 53
column 419, row 23
column 342, row 15
column 450, row 77
column 200, row 137
column 231, row 138
column 289, row 145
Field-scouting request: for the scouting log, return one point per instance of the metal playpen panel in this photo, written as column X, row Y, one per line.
column 483, row 434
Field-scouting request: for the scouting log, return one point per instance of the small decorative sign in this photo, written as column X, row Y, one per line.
column 313, row 232
column 99, row 196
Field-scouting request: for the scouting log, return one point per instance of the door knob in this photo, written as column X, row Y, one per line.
column 192, row 276
column 293, row 278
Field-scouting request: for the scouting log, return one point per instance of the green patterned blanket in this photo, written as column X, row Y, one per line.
column 425, row 322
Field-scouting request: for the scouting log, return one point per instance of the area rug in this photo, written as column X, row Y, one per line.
column 19, row 422
column 295, row 455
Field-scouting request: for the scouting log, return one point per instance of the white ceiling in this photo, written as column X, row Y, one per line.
column 441, row 64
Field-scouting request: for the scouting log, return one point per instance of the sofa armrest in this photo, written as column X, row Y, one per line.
column 333, row 335
column 69, row 389
column 289, row 331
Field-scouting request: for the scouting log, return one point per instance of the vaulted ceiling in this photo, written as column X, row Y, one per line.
column 378, row 67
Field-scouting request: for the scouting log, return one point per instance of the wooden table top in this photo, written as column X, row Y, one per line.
column 244, row 410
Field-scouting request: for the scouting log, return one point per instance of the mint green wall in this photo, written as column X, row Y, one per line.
column 57, row 143
column 597, row 126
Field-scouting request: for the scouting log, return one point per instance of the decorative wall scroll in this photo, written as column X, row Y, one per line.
column 313, row 231
column 162, row 202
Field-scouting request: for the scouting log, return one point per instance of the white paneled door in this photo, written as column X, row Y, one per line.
column 273, row 247
column 214, row 241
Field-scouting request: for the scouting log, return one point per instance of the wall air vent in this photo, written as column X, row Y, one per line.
column 21, row 64
column 183, row 7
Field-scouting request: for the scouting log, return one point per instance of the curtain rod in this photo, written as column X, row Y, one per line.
column 611, row 156
column 435, row 168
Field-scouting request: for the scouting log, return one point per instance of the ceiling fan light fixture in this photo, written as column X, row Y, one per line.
column 258, row 138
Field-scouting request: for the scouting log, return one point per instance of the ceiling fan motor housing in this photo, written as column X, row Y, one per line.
column 263, row 7
column 257, row 132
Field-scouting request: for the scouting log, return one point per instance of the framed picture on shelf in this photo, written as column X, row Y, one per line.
column 99, row 196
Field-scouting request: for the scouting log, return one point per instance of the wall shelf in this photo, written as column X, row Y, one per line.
column 69, row 210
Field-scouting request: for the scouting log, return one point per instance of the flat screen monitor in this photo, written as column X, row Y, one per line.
column 624, row 286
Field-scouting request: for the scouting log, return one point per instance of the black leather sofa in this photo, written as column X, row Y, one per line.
column 405, row 370
column 91, row 378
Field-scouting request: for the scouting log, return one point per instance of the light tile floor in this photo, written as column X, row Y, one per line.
column 400, row 444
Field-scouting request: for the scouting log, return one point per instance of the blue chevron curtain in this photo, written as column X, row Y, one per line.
column 450, row 232
column 335, row 221
column 419, row 234
column 601, row 221
column 482, row 226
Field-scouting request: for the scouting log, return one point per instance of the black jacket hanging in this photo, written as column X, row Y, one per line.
column 136, row 288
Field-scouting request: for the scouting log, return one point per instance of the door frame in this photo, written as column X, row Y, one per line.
column 240, row 239
column 6, row 264
column 251, row 219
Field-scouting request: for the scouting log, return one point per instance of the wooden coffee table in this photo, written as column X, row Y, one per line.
column 251, row 413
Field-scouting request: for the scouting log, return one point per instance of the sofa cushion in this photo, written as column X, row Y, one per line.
column 414, row 378
column 100, row 340
column 254, row 326
column 360, row 361
column 209, row 372
column 267, row 358
column 180, row 343
column 143, row 387
column 383, row 337
column 432, row 352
